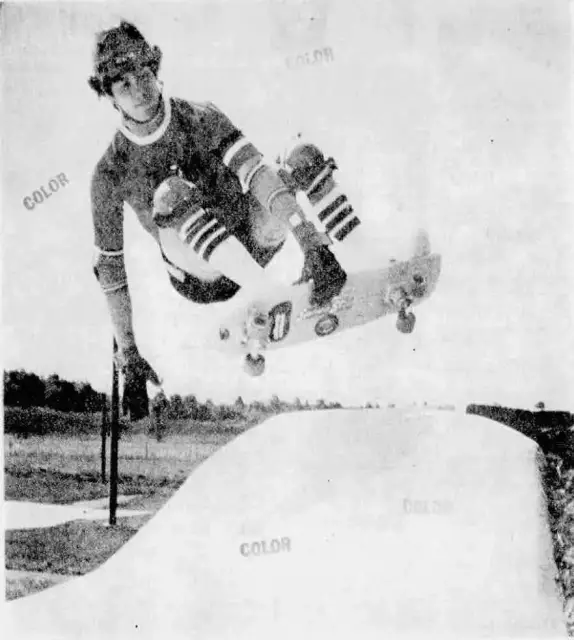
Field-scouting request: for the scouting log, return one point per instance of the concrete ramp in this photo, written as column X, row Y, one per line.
column 327, row 525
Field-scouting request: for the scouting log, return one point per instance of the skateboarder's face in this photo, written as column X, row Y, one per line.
column 136, row 92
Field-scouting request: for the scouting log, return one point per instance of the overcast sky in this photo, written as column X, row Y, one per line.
column 451, row 115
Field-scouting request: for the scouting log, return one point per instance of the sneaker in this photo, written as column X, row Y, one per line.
column 322, row 268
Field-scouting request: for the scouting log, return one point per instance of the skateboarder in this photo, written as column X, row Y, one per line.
column 217, row 210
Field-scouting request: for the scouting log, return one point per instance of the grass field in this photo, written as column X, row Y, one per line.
column 143, row 461
column 56, row 458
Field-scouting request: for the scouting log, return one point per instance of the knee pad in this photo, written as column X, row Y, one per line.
column 110, row 269
column 307, row 167
column 178, row 205
column 174, row 201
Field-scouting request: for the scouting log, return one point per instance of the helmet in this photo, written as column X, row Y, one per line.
column 117, row 51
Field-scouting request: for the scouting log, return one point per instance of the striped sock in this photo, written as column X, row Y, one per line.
column 215, row 245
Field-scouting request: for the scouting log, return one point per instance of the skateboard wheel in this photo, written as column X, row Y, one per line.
column 406, row 322
column 254, row 366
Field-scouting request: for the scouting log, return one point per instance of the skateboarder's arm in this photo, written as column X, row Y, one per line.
column 109, row 265
column 254, row 173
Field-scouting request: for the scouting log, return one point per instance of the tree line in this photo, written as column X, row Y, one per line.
column 189, row 408
column 25, row 390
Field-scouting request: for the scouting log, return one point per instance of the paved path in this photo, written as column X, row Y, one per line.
column 33, row 515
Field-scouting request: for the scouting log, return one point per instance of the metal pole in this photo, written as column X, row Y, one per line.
column 104, row 434
column 115, row 435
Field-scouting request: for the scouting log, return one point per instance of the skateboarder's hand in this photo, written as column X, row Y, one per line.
column 134, row 365
column 136, row 371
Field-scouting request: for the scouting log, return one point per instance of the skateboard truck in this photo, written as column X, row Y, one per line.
column 256, row 332
column 419, row 286
column 406, row 319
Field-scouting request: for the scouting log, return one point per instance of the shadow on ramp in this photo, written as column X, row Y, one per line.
column 334, row 524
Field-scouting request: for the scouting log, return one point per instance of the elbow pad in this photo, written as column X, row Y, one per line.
column 110, row 270
column 262, row 180
column 243, row 158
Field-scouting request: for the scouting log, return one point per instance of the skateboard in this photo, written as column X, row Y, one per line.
column 284, row 317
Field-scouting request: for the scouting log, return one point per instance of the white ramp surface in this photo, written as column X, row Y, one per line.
column 335, row 524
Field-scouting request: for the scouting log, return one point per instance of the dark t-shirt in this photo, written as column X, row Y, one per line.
column 193, row 138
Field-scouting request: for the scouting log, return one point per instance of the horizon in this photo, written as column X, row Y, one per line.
column 450, row 118
column 312, row 402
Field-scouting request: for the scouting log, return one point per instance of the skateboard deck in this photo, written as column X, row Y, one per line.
column 284, row 317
